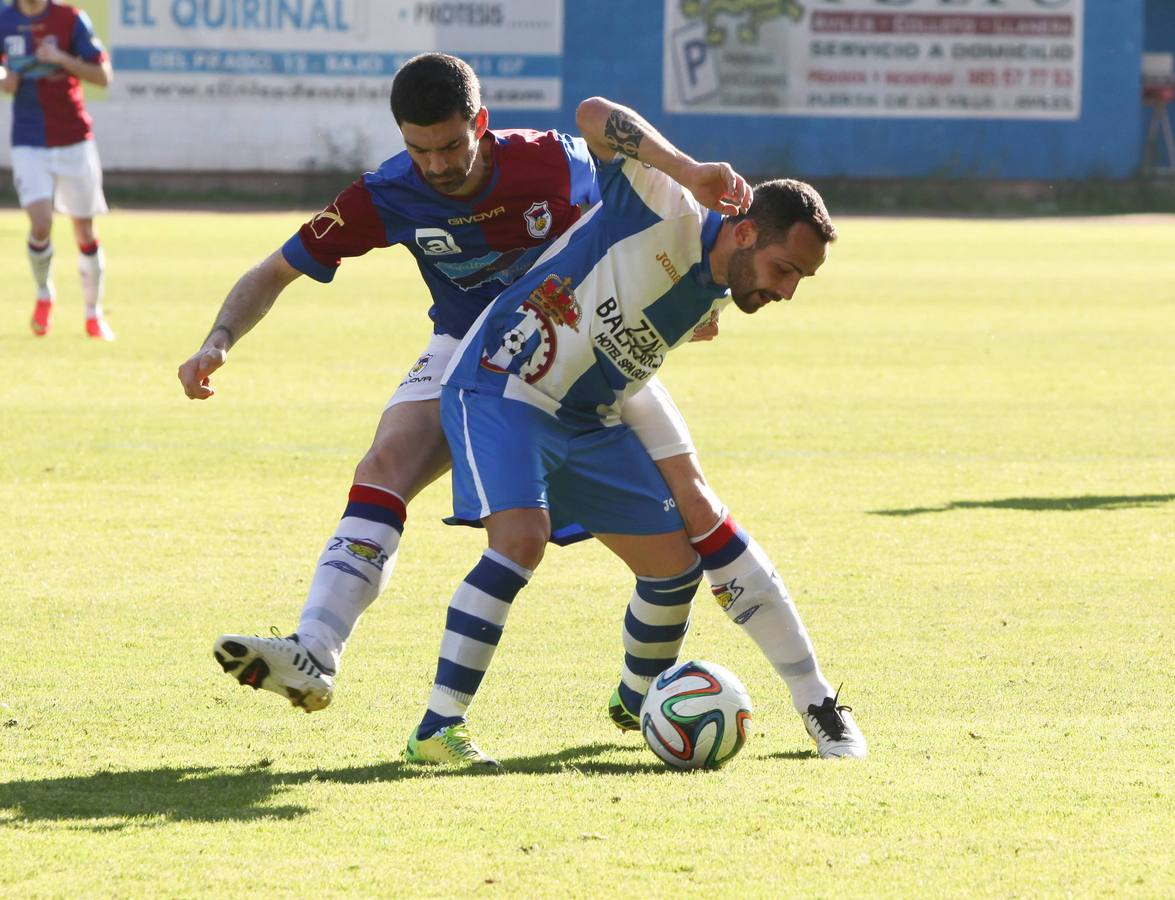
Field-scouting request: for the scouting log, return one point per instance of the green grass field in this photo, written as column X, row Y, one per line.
column 957, row 444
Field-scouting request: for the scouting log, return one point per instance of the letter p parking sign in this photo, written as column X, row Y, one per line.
column 695, row 65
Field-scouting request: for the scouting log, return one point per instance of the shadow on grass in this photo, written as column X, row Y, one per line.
column 792, row 754
column 1038, row 504
column 112, row 800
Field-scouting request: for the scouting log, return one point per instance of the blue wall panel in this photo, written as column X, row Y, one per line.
column 614, row 49
column 1160, row 26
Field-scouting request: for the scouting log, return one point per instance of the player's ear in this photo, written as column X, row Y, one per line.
column 746, row 234
column 481, row 122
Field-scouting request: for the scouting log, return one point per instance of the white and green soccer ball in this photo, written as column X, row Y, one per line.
column 696, row 715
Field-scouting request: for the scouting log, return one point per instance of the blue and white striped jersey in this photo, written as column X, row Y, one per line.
column 594, row 317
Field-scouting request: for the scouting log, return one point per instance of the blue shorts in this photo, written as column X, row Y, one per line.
column 510, row 455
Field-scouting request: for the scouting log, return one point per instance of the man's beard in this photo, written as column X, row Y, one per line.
column 741, row 276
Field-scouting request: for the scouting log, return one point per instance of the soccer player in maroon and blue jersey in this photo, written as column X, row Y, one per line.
column 476, row 209
column 47, row 50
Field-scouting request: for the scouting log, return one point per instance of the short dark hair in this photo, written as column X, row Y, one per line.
column 432, row 87
column 780, row 204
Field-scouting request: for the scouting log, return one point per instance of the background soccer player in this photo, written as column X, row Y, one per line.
column 47, row 50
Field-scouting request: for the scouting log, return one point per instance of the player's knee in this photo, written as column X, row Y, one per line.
column 40, row 227
column 523, row 542
column 376, row 467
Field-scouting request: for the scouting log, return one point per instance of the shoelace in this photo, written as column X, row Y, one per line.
column 457, row 739
column 828, row 717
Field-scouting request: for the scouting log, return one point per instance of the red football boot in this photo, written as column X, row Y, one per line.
column 96, row 327
column 42, row 317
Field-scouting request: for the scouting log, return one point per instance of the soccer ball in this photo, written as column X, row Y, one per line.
column 695, row 715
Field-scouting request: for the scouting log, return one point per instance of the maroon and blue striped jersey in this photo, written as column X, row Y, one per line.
column 468, row 248
column 47, row 110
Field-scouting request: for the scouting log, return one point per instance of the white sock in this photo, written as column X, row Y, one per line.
column 353, row 569
column 41, row 261
column 747, row 587
column 92, row 268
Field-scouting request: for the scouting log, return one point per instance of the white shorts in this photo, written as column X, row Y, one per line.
column 423, row 381
column 70, row 176
column 650, row 412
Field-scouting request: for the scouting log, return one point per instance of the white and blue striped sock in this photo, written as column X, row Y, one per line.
column 654, row 629
column 473, row 627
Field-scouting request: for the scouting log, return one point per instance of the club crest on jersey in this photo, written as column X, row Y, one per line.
column 436, row 242
column 421, row 365
column 325, row 221
column 14, row 45
column 549, row 305
column 557, row 301
column 538, row 219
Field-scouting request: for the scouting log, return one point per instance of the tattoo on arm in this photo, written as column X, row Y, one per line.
column 623, row 134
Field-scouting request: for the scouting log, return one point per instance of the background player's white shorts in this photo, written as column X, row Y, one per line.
column 71, row 176
column 423, row 381
column 650, row 412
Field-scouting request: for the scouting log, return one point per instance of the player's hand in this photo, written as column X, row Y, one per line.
column 708, row 330
column 194, row 373
column 49, row 52
column 719, row 187
column 9, row 80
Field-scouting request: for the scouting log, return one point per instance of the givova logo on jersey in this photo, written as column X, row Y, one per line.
column 528, row 349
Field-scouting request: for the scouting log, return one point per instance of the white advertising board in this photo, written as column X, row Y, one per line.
column 1015, row 59
column 303, row 51
column 294, row 86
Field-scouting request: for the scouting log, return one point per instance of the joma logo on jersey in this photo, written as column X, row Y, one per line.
column 668, row 266
column 555, row 298
column 477, row 217
column 325, row 221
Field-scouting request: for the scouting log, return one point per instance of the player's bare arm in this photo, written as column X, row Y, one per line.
column 99, row 73
column 246, row 305
column 611, row 129
column 9, row 80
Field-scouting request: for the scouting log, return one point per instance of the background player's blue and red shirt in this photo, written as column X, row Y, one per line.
column 47, row 110
column 468, row 248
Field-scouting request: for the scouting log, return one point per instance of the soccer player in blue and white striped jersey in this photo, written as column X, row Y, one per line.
column 542, row 375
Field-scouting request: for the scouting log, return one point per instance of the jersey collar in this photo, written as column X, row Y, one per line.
column 710, row 229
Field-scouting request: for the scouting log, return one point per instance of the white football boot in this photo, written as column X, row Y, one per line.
column 277, row 664
column 834, row 731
